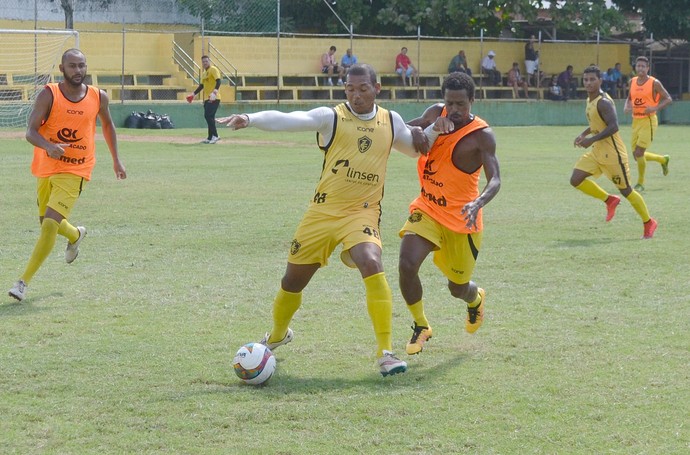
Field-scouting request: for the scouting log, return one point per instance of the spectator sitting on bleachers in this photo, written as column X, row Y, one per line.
column 607, row 83
column 619, row 79
column 459, row 63
column 405, row 68
column 515, row 80
column 568, row 83
column 348, row 60
column 489, row 68
column 329, row 65
column 555, row 92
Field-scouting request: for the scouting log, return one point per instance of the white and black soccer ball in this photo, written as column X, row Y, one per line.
column 254, row 363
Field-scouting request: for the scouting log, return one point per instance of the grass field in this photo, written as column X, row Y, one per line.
column 585, row 348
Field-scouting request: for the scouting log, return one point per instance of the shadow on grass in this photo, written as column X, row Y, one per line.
column 590, row 242
column 26, row 306
column 426, row 371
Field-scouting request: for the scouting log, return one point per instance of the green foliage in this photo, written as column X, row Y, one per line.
column 668, row 20
column 453, row 17
column 257, row 16
column 584, row 349
column 582, row 19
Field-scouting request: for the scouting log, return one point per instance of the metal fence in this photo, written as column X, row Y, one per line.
column 247, row 18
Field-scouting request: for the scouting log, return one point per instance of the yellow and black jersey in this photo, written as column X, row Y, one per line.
column 354, row 166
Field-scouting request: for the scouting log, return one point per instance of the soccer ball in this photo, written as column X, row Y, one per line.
column 254, row 363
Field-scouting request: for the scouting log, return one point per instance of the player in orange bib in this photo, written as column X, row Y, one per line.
column 446, row 217
column 62, row 128
column 647, row 97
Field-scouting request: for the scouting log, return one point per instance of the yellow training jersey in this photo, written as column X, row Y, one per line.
column 208, row 79
column 597, row 124
column 73, row 124
column 354, row 166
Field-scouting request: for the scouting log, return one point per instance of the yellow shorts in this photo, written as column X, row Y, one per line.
column 609, row 162
column 643, row 130
column 59, row 192
column 318, row 235
column 455, row 253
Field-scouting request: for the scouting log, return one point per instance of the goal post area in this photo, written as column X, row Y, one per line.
column 28, row 60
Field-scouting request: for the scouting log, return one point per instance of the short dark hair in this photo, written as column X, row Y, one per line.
column 593, row 69
column 205, row 56
column 332, row 48
column 458, row 81
column 71, row 51
column 362, row 69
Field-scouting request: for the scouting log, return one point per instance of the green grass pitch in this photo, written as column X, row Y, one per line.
column 585, row 347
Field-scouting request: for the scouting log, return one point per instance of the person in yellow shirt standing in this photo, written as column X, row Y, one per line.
column 647, row 97
column 62, row 128
column 608, row 155
column 209, row 86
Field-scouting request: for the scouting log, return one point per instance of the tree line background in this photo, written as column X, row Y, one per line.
column 573, row 19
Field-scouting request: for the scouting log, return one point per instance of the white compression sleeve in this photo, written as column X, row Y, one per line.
column 319, row 119
column 403, row 136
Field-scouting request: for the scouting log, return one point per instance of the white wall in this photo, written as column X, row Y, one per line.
column 131, row 11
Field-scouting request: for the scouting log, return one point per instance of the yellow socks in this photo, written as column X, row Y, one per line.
column 590, row 188
column 380, row 308
column 285, row 306
column 654, row 157
column 477, row 301
column 641, row 169
column 67, row 230
column 44, row 245
column 639, row 205
column 417, row 311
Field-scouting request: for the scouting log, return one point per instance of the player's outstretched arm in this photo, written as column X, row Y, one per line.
column 319, row 119
column 236, row 121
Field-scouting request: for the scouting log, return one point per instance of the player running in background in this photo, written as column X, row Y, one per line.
column 647, row 97
column 62, row 128
column 608, row 155
column 446, row 217
column 356, row 138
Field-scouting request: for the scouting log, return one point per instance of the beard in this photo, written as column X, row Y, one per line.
column 75, row 80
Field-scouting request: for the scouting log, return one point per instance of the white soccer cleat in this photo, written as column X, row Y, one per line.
column 213, row 140
column 72, row 250
column 18, row 290
column 390, row 364
column 288, row 338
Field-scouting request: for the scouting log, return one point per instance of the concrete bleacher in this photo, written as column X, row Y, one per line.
column 150, row 73
column 145, row 86
column 310, row 87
